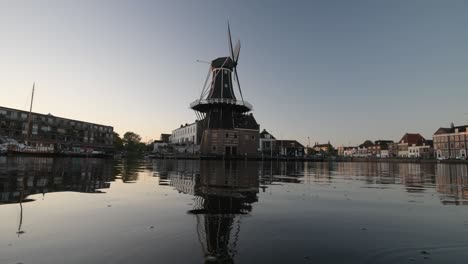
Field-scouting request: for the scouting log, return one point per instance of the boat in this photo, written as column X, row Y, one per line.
column 14, row 147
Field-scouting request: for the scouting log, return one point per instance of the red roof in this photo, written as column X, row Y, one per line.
column 412, row 138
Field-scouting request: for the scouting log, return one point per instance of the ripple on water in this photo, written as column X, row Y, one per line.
column 455, row 253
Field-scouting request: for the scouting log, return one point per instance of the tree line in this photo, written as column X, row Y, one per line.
column 131, row 142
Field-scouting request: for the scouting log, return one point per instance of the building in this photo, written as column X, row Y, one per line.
column 165, row 138
column 423, row 151
column 160, row 146
column 290, row 148
column 187, row 134
column 228, row 127
column 344, row 151
column 61, row 134
column 392, row 150
column 451, row 142
column 241, row 140
column 375, row 150
column 409, row 140
column 321, row 147
column 266, row 143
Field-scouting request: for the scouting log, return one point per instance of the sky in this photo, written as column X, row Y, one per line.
column 318, row 71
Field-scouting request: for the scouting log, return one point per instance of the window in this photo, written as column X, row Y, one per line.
column 253, row 137
column 227, row 135
column 214, row 148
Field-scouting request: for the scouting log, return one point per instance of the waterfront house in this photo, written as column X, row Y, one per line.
column 408, row 140
column 380, row 148
column 321, row 147
column 266, row 143
column 344, row 151
column 290, row 148
column 451, row 142
column 187, row 134
column 423, row 151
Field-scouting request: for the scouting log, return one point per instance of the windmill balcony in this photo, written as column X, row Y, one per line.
column 203, row 103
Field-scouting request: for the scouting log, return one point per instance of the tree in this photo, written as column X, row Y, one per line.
column 118, row 143
column 131, row 141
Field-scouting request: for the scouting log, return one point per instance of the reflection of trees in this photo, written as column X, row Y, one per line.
column 224, row 192
column 128, row 169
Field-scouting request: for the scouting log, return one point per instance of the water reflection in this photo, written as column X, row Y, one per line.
column 224, row 193
column 21, row 177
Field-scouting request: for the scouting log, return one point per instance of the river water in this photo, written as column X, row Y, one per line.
column 77, row 210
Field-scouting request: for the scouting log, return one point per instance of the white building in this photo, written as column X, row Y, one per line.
column 158, row 146
column 350, row 151
column 187, row 134
column 423, row 151
column 384, row 153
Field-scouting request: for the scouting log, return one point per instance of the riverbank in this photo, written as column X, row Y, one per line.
column 314, row 159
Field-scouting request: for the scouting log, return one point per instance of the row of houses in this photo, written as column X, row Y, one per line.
column 446, row 143
column 187, row 139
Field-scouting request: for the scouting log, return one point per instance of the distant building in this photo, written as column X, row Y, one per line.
column 384, row 153
column 409, row 140
column 165, row 138
column 379, row 145
column 392, row 149
column 62, row 134
column 451, row 142
column 160, row 146
column 365, row 149
column 346, row 151
column 266, row 142
column 187, row 134
column 422, row 151
column 321, row 147
column 290, row 148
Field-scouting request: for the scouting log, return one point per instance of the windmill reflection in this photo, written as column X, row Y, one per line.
column 224, row 193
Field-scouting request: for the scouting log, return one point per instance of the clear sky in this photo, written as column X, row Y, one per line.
column 343, row 71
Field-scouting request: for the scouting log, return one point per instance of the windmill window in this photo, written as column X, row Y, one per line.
column 225, row 85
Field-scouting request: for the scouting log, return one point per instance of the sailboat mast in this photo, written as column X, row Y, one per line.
column 29, row 117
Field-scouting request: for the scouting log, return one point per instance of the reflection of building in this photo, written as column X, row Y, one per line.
column 452, row 180
column 23, row 176
column 451, row 142
column 224, row 192
column 60, row 133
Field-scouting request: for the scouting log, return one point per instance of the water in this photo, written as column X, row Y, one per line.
column 105, row 211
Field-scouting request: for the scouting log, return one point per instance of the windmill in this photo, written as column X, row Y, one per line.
column 218, row 107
